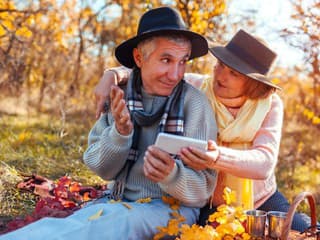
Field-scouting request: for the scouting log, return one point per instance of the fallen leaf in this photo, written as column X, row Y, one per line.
column 74, row 187
column 144, row 200
column 114, row 201
column 86, row 196
column 126, row 205
column 96, row 215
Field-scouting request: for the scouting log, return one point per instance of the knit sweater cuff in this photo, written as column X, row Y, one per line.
column 117, row 138
column 168, row 180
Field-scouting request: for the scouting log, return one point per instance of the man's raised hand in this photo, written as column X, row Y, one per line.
column 120, row 111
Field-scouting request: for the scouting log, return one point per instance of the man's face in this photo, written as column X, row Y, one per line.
column 164, row 67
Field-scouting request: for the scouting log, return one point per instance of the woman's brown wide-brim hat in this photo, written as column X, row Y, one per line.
column 157, row 22
column 247, row 55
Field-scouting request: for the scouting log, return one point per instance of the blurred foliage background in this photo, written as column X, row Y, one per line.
column 53, row 52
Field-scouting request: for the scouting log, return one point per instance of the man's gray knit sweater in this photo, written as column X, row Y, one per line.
column 108, row 150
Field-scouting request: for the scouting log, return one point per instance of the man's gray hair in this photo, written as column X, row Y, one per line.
column 147, row 46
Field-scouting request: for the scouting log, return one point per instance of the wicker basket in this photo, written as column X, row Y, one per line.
column 312, row 234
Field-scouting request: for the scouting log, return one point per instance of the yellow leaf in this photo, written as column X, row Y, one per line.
column 316, row 120
column 229, row 196
column 170, row 200
column 159, row 235
column 228, row 220
column 127, row 205
column 2, row 31
column 96, row 215
column 175, row 206
column 8, row 24
column 71, row 30
column 30, row 20
column 24, row 32
column 245, row 236
column 275, row 80
column 173, row 227
column 24, row 136
column 86, row 12
column 144, row 200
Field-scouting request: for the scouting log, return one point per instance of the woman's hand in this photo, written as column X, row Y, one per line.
column 199, row 159
column 158, row 164
column 120, row 111
column 102, row 90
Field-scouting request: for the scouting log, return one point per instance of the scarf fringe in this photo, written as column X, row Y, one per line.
column 118, row 187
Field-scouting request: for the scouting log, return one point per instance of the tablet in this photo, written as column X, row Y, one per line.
column 173, row 143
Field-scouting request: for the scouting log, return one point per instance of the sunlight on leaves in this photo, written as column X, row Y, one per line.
column 2, row 31
column 24, row 32
column 24, row 136
column 198, row 232
column 229, row 196
column 8, row 24
column 226, row 223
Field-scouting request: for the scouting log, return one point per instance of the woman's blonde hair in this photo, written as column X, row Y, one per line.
column 258, row 90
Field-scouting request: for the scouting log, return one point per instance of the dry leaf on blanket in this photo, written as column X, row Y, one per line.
column 96, row 215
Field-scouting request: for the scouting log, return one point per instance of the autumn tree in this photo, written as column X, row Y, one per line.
column 15, row 35
column 298, row 167
column 53, row 52
column 305, row 35
column 45, row 46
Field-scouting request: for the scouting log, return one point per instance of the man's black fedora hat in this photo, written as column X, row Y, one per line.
column 247, row 55
column 163, row 20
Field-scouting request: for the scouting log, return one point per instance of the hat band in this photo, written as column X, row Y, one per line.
column 164, row 28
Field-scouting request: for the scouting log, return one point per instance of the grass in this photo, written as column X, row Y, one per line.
column 298, row 168
column 41, row 145
column 53, row 147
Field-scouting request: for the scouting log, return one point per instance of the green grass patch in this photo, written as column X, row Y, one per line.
column 43, row 145
column 53, row 147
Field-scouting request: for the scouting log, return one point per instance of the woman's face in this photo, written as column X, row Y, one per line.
column 227, row 82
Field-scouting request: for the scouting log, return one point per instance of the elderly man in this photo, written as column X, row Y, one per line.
column 121, row 148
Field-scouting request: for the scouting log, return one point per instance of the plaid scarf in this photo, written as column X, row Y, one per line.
column 170, row 114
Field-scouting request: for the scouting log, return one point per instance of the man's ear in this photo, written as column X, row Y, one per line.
column 137, row 56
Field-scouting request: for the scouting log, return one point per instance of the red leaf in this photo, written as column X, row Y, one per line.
column 56, row 200
column 64, row 181
column 75, row 187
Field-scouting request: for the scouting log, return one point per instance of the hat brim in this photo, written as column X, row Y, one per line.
column 123, row 53
column 234, row 62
